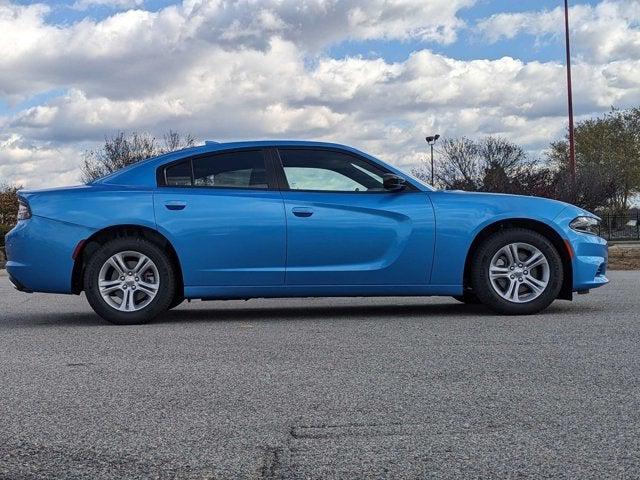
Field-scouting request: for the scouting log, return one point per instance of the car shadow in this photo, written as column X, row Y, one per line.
column 322, row 312
column 397, row 311
column 220, row 312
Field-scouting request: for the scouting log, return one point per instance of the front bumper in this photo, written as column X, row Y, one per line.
column 590, row 257
column 590, row 253
column 590, row 263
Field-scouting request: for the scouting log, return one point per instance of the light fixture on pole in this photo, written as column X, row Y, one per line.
column 431, row 141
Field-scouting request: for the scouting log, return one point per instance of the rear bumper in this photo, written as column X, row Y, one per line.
column 39, row 252
column 18, row 286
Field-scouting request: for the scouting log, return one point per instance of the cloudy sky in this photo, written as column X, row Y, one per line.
column 376, row 74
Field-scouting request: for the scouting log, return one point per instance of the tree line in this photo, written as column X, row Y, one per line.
column 607, row 158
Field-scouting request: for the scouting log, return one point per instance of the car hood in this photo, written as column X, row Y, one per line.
column 517, row 205
column 502, row 196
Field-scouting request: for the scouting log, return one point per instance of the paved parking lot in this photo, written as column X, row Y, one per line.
column 332, row 388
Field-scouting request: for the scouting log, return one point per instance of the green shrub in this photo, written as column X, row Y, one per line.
column 8, row 210
column 4, row 229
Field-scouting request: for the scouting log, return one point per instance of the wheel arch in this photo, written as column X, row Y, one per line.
column 99, row 238
column 566, row 292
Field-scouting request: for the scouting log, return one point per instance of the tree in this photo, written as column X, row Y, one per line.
column 8, row 209
column 123, row 149
column 502, row 162
column 594, row 187
column 459, row 168
column 491, row 164
column 607, row 159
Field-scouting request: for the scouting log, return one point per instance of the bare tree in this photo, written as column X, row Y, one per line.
column 489, row 164
column 502, row 164
column 460, row 167
column 122, row 150
column 173, row 141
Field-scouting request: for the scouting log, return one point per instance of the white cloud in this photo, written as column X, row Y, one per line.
column 37, row 164
column 602, row 33
column 137, row 52
column 115, row 4
column 223, row 72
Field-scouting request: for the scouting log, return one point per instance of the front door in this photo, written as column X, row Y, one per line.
column 224, row 219
column 344, row 228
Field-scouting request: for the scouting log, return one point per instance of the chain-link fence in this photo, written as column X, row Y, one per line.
column 621, row 227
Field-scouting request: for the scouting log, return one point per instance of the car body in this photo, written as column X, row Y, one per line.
column 288, row 219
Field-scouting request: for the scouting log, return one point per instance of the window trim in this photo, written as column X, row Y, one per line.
column 283, row 183
column 161, row 171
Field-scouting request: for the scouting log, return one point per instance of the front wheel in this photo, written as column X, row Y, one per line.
column 129, row 281
column 517, row 272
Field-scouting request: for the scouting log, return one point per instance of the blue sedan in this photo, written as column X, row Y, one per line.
column 294, row 219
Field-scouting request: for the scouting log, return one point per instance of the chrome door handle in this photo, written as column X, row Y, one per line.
column 302, row 212
column 175, row 205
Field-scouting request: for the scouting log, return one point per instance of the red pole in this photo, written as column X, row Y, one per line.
column 572, row 146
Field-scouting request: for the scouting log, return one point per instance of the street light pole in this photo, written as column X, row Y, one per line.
column 431, row 141
column 431, row 145
column 572, row 146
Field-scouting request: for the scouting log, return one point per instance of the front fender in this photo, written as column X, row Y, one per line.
column 460, row 217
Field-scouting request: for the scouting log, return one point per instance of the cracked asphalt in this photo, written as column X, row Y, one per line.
column 322, row 389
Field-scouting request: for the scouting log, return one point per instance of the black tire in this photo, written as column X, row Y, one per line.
column 469, row 298
column 167, row 281
column 177, row 300
column 481, row 282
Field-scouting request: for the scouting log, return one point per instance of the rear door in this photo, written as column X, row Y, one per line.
column 344, row 228
column 225, row 218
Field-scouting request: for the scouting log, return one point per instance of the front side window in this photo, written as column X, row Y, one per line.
column 327, row 170
column 242, row 169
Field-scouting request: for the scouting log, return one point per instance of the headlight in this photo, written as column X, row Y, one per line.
column 24, row 212
column 586, row 225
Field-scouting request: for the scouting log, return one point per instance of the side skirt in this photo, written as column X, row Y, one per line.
column 287, row 291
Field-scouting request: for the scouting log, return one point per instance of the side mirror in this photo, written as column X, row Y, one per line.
column 393, row 183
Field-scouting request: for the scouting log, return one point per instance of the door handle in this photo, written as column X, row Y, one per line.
column 302, row 212
column 175, row 205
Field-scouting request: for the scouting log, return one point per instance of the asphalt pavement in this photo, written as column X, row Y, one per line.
column 322, row 389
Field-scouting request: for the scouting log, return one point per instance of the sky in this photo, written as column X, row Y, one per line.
column 379, row 75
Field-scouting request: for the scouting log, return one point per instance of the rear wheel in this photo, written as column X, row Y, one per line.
column 517, row 272
column 129, row 281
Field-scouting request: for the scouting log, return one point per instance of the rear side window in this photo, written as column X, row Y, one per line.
column 242, row 169
column 178, row 174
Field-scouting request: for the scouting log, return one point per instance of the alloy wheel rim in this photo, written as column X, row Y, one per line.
column 519, row 272
column 128, row 281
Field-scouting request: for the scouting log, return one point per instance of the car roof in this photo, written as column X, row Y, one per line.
column 133, row 174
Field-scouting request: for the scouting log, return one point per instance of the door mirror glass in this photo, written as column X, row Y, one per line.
column 393, row 183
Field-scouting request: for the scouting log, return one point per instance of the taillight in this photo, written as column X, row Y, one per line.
column 24, row 212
